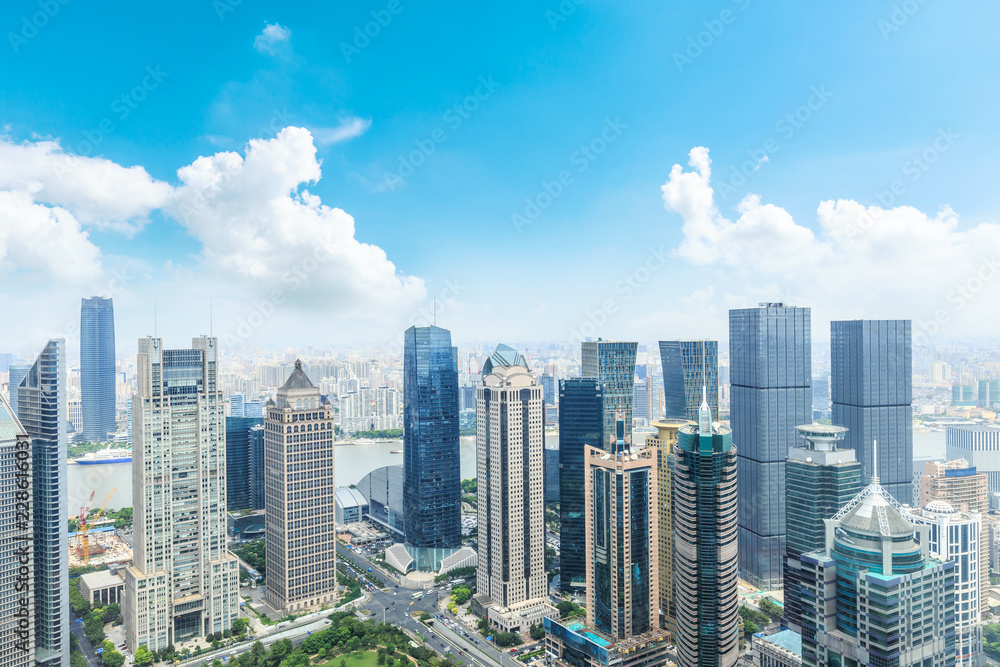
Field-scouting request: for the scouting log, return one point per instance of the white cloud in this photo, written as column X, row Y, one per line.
column 272, row 39
column 860, row 262
column 348, row 129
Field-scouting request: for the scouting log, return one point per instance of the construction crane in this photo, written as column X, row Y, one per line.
column 84, row 540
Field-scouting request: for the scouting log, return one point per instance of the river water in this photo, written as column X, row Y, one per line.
column 352, row 462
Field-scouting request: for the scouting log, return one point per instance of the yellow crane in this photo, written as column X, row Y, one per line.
column 84, row 540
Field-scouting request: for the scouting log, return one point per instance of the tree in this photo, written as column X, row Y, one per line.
column 388, row 661
column 216, row 663
column 537, row 631
column 749, row 627
column 240, row 626
column 381, row 657
column 143, row 656
column 565, row 608
column 322, row 653
column 507, row 639
column 113, row 659
column 343, row 663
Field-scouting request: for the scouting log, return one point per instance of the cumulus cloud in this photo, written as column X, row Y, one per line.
column 862, row 261
column 348, row 129
column 272, row 39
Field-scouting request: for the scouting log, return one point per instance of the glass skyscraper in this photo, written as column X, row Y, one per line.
column 17, row 373
column 16, row 535
column 689, row 365
column 431, row 478
column 770, row 356
column 581, row 420
column 239, row 443
column 41, row 409
column 97, row 368
column 872, row 394
column 613, row 364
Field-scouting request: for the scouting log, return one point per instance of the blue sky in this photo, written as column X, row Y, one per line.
column 873, row 86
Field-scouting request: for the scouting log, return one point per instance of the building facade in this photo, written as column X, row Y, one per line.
column 431, row 477
column 871, row 390
column 689, row 365
column 980, row 446
column 17, row 586
column 183, row 582
column 300, row 495
column 770, row 358
column 820, row 478
column 705, row 542
column 383, row 489
column 258, row 496
column 613, row 365
column 581, row 420
column 97, row 368
column 239, row 442
column 41, row 409
column 16, row 374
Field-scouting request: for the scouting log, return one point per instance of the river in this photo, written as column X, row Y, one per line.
column 352, row 462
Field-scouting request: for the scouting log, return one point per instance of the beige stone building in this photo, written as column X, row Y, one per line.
column 299, row 494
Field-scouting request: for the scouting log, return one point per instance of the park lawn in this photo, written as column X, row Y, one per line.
column 359, row 659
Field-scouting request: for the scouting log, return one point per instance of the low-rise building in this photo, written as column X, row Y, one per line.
column 106, row 586
column 782, row 649
column 573, row 644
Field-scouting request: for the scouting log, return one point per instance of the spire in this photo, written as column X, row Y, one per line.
column 704, row 412
column 875, row 463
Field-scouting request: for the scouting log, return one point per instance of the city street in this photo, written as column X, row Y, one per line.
column 85, row 647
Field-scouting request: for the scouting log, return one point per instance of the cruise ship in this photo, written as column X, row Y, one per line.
column 106, row 456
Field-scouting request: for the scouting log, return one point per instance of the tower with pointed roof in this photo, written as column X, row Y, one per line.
column 299, row 493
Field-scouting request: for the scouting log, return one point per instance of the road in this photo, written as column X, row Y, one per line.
column 297, row 634
column 85, row 646
column 362, row 563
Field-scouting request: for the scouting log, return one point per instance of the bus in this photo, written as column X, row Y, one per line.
column 416, row 596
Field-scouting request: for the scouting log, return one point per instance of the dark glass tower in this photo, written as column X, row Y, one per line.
column 770, row 355
column 17, row 373
column 820, row 479
column 257, row 467
column 613, row 364
column 689, row 365
column 431, row 479
column 580, row 424
column 872, row 394
column 239, row 443
column 41, row 409
column 97, row 368
column 706, row 562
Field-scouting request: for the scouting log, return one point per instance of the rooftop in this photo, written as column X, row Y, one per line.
column 789, row 640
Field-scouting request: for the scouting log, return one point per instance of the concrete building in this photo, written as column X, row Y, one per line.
column 41, row 409
column 664, row 442
column 978, row 444
column 183, row 582
column 106, row 587
column 860, row 594
column 299, row 492
column 17, row 586
column 570, row 643
column 706, row 560
column 351, row 506
column 958, row 537
column 770, row 356
column 782, row 649
column 511, row 489
column 820, row 478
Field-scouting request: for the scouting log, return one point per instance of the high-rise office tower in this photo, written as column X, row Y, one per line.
column 958, row 536
column 300, row 497
column 640, row 400
column 17, row 373
column 581, row 420
column 613, row 364
column 183, row 582
column 97, row 368
column 239, row 443
column 872, row 394
column 549, row 388
column 706, row 559
column 989, row 393
column 237, row 405
column 509, row 467
column 820, row 478
column 688, row 365
column 771, row 393
column 41, row 409
column 258, row 500
column 17, row 586
column 665, row 441
column 431, row 479
column 874, row 595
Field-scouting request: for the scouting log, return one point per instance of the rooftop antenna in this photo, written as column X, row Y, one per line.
column 875, row 462
column 704, row 413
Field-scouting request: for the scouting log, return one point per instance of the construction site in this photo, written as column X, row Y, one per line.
column 96, row 542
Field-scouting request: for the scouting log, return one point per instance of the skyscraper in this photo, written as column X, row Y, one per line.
column 860, row 593
column 820, row 478
column 613, row 365
column 239, row 443
column 581, row 420
column 258, row 500
column 706, row 559
column 237, row 406
column 17, row 586
column 689, row 365
column 872, row 393
column 431, row 479
column 17, row 373
column 511, row 528
column 300, row 497
column 41, row 408
column 771, row 393
column 183, row 582
column 97, row 368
